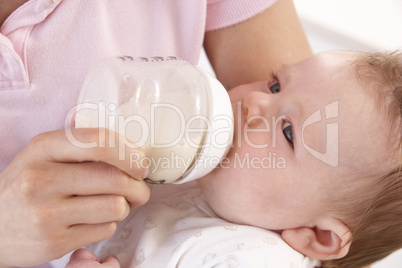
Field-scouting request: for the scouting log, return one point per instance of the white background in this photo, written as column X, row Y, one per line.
column 352, row 25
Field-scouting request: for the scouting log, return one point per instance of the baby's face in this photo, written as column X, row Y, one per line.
column 297, row 150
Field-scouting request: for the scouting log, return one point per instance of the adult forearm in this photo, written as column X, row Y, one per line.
column 251, row 50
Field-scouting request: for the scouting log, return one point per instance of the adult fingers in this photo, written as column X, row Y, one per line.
column 94, row 209
column 81, row 145
column 81, row 235
column 90, row 178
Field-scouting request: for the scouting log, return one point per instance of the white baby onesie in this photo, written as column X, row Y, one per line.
column 176, row 228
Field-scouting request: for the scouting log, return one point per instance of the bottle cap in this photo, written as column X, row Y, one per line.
column 219, row 137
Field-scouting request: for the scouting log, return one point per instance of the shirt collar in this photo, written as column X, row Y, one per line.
column 30, row 13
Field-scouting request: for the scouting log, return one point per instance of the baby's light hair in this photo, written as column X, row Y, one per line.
column 376, row 222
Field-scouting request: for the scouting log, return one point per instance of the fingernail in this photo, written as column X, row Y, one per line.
column 146, row 173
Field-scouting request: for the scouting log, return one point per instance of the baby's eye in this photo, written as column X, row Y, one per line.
column 275, row 88
column 288, row 132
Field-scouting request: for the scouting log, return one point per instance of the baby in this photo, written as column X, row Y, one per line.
column 315, row 163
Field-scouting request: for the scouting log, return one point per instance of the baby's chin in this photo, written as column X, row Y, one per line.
column 207, row 186
column 211, row 184
column 214, row 197
column 203, row 182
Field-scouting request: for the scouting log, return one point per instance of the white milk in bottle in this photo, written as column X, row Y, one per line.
column 177, row 113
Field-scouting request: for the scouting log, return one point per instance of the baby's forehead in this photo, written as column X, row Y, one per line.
column 334, row 71
column 342, row 102
column 363, row 128
column 341, row 60
column 364, row 134
column 366, row 143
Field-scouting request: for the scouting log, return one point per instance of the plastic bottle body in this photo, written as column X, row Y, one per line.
column 163, row 105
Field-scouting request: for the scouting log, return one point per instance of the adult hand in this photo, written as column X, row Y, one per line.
column 56, row 196
column 83, row 258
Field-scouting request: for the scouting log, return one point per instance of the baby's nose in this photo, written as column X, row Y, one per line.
column 257, row 106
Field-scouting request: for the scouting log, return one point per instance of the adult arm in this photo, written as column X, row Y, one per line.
column 251, row 50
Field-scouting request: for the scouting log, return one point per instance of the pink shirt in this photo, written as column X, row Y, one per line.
column 48, row 46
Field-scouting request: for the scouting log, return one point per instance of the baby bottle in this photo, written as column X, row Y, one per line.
column 180, row 115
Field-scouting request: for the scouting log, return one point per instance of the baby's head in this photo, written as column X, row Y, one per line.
column 317, row 156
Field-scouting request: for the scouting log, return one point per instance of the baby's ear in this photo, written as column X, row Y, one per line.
column 329, row 239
